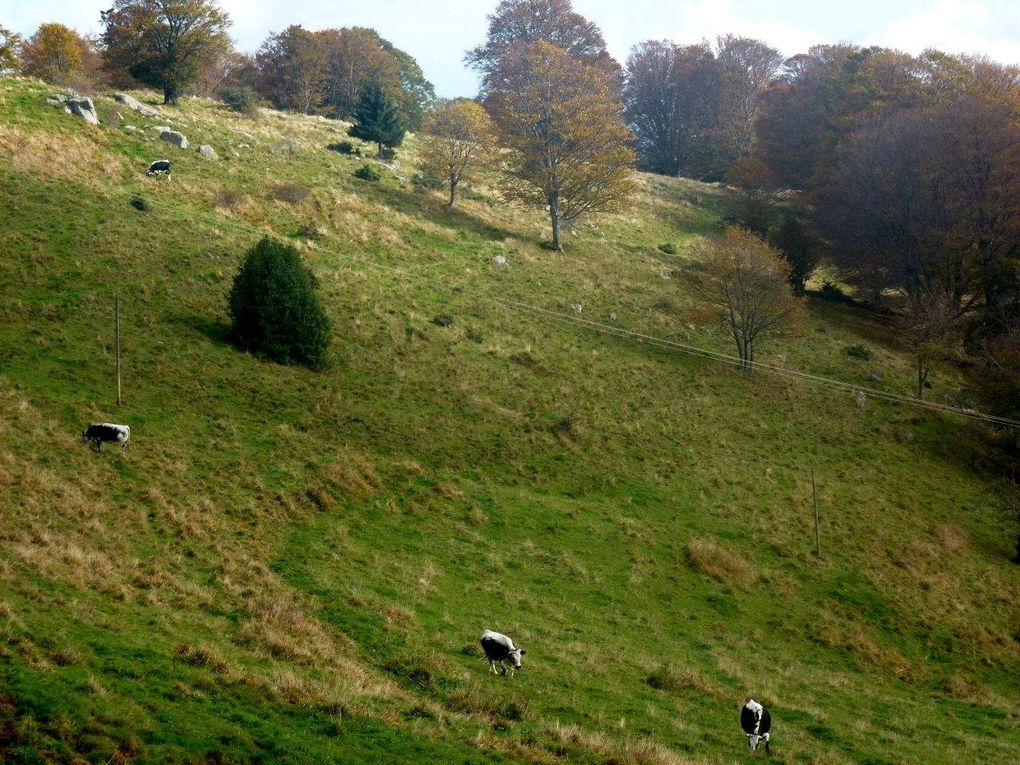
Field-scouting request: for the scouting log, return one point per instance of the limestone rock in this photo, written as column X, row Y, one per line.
column 133, row 103
column 208, row 152
column 499, row 260
column 177, row 139
column 84, row 108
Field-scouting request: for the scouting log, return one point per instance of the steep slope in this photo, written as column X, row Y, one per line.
column 291, row 566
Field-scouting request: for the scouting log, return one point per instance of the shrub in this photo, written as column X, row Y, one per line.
column 834, row 293
column 859, row 351
column 230, row 199
column 140, row 203
column 426, row 182
column 442, row 320
column 387, row 152
column 367, row 173
column 240, row 99
column 274, row 309
column 668, row 248
column 292, row 193
column 344, row 147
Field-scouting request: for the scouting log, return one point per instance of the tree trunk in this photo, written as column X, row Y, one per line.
column 922, row 377
column 453, row 193
column 554, row 215
column 170, row 94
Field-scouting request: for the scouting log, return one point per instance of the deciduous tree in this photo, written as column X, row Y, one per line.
column 570, row 151
column 458, row 139
column 53, row 53
column 518, row 23
column 749, row 282
column 10, row 50
column 294, row 69
column 164, row 43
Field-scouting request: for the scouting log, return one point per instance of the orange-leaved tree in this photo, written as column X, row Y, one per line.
column 458, row 139
column 53, row 53
column 570, row 150
column 749, row 283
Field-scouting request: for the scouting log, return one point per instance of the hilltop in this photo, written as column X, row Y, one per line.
column 295, row 566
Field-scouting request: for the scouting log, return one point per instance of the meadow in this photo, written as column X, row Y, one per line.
column 294, row 566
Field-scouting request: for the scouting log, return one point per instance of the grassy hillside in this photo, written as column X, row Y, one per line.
column 290, row 566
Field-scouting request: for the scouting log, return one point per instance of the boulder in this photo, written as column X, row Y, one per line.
column 576, row 307
column 84, row 108
column 56, row 99
column 207, row 152
column 499, row 260
column 133, row 103
column 160, row 129
column 177, row 139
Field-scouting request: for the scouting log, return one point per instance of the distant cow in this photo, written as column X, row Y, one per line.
column 159, row 167
column 499, row 649
column 106, row 432
column 756, row 722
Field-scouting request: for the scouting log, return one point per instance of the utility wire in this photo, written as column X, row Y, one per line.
column 832, row 383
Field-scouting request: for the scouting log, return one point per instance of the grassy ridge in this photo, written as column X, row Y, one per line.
column 291, row 566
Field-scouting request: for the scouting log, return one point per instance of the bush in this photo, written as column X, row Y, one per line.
column 387, row 152
column 443, row 320
column 367, row 173
column 274, row 309
column 140, row 203
column 859, row 351
column 292, row 193
column 240, row 99
column 834, row 294
column 427, row 182
column 668, row 248
column 345, row 147
column 230, row 199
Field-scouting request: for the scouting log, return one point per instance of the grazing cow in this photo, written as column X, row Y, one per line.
column 498, row 649
column 159, row 167
column 106, row 432
column 756, row 722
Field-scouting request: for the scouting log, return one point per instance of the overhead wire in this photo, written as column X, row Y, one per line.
column 660, row 342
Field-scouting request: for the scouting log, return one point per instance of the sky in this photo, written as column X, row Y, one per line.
column 437, row 32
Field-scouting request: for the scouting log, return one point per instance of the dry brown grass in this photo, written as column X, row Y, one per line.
column 718, row 563
column 671, row 678
column 352, row 474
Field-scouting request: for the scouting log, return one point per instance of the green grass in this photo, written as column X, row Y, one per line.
column 291, row 566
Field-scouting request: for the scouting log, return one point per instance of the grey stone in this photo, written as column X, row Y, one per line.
column 130, row 128
column 499, row 260
column 208, row 152
column 177, row 139
column 575, row 307
column 84, row 108
column 160, row 129
column 133, row 103
column 875, row 377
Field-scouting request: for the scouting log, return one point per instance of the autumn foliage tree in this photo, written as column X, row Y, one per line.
column 10, row 50
column 294, row 68
column 53, row 53
column 515, row 24
column 164, row 43
column 570, row 151
column 749, row 283
column 458, row 139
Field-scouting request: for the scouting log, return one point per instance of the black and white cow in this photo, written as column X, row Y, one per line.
column 106, row 432
column 499, row 649
column 159, row 167
column 756, row 722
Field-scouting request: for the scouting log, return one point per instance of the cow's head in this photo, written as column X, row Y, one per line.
column 515, row 657
column 754, row 741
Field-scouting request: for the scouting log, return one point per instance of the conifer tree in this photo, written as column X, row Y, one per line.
column 377, row 118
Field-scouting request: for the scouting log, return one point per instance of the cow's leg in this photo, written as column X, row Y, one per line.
column 99, row 445
column 503, row 666
column 492, row 666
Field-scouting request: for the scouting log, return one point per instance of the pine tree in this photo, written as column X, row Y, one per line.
column 377, row 118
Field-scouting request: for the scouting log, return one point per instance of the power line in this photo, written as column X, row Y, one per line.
column 652, row 340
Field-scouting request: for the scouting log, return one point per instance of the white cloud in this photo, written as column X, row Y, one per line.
column 959, row 26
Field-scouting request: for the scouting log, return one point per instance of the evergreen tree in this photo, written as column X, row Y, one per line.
column 274, row 308
column 377, row 118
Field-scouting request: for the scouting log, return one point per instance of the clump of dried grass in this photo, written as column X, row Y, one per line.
column 718, row 563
